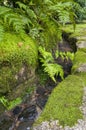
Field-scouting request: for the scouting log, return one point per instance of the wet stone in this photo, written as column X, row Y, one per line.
column 17, row 110
column 41, row 101
column 41, row 91
column 49, row 86
column 82, row 68
column 66, row 64
column 28, row 114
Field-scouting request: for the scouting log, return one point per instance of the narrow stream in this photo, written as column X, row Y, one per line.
column 23, row 116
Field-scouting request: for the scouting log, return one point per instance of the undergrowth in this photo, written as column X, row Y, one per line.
column 50, row 67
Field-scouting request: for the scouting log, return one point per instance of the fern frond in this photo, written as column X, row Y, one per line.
column 51, row 69
column 31, row 13
column 62, row 11
column 63, row 55
column 54, row 69
column 28, row 11
column 4, row 10
column 70, row 55
column 1, row 32
column 57, row 54
column 12, row 19
column 47, row 56
column 21, row 5
column 48, row 2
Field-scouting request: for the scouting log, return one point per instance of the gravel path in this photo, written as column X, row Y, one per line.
column 54, row 125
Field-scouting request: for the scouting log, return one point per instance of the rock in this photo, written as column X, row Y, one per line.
column 41, row 91
column 28, row 113
column 41, row 101
column 17, row 110
column 81, row 44
column 82, row 68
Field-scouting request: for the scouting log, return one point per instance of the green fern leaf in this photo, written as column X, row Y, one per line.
column 57, row 54
column 4, row 10
column 46, row 55
column 31, row 13
column 70, row 55
column 8, row 16
column 21, row 5
column 54, row 69
column 1, row 32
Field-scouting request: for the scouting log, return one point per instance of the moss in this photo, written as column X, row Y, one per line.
column 80, row 58
column 80, row 29
column 16, row 51
column 64, row 102
column 82, row 76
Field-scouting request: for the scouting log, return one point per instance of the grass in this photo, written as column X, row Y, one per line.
column 64, row 102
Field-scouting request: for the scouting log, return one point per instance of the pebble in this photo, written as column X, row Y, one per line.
column 28, row 128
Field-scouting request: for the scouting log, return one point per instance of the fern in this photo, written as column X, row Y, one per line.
column 17, row 19
column 1, row 32
column 51, row 68
column 70, row 55
column 62, row 11
column 31, row 16
column 45, row 56
column 4, row 10
column 10, row 104
column 11, row 19
column 63, row 55
column 29, row 12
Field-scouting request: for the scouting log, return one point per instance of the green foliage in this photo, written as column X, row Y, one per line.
column 64, row 102
column 1, row 32
column 10, row 104
column 17, row 20
column 80, row 10
column 50, row 67
column 53, row 70
column 63, row 55
column 41, row 19
column 62, row 11
column 10, row 19
column 46, row 56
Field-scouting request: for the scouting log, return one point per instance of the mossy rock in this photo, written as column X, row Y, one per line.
column 79, row 60
column 18, row 61
column 64, row 102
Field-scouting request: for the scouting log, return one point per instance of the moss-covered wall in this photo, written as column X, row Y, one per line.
column 18, row 61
